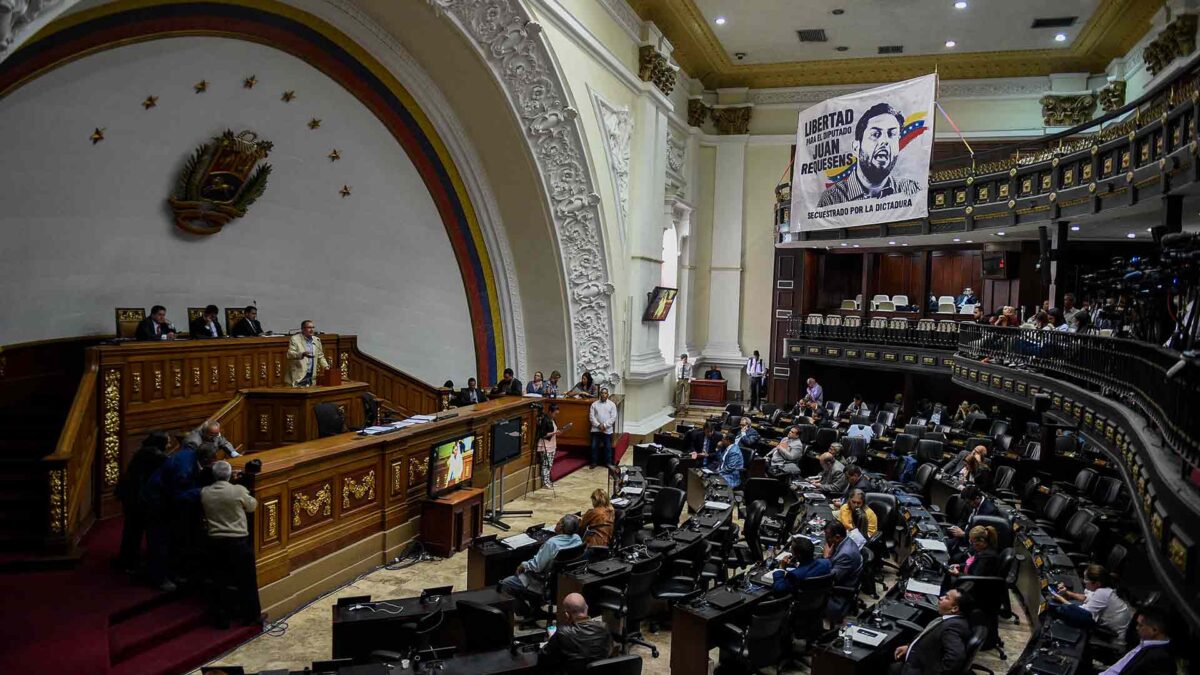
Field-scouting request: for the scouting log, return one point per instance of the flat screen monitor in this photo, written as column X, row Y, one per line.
column 450, row 465
column 506, row 440
column 661, row 299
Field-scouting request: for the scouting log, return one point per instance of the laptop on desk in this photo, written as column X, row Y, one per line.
column 723, row 599
column 898, row 611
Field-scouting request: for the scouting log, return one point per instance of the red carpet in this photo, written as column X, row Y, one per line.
column 92, row 620
column 568, row 461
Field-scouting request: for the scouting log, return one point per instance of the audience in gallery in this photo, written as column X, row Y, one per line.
column 598, row 521
column 942, row 646
column 800, row 564
column 578, row 640
column 603, row 417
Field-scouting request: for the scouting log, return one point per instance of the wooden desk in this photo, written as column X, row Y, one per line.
column 450, row 523
column 575, row 410
column 320, row 498
column 491, row 561
column 265, row 418
column 708, row 392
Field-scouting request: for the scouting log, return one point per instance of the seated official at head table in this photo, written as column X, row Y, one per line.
column 508, row 385
column 537, row 385
column 942, row 646
column 800, row 564
column 567, row 530
column 471, row 394
column 155, row 326
column 713, row 373
column 578, row 641
column 305, row 356
column 206, row 325
column 248, row 325
column 586, row 387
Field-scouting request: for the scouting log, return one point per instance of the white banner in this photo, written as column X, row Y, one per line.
column 863, row 158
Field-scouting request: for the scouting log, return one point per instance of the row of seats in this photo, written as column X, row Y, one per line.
column 892, row 323
column 882, row 303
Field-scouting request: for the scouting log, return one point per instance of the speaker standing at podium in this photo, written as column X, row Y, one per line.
column 305, row 354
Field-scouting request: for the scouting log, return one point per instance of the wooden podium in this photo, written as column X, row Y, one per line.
column 708, row 392
column 450, row 523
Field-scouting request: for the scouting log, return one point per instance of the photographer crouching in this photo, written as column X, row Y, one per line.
column 230, row 551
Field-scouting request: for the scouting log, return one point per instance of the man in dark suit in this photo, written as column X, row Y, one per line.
column 471, row 394
column 206, row 325
column 847, row 563
column 155, row 326
column 855, row 480
column 702, row 444
column 942, row 647
column 978, row 504
column 1152, row 655
column 248, row 325
column 509, row 385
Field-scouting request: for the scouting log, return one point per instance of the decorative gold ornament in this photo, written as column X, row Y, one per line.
column 654, row 67
column 196, row 376
column 111, row 406
column 1177, row 39
column 334, row 155
column 135, row 381
column 696, row 112
column 1112, row 96
column 397, row 476
column 217, row 183
column 97, row 135
column 289, row 423
column 249, row 82
column 969, row 210
column 58, row 501
column 157, row 380
column 150, row 102
column 314, row 124
column 264, row 423
column 345, row 191
column 201, row 86
column 1067, row 111
column 288, row 96
column 732, row 121
column 318, row 503
column 357, row 489
column 272, row 509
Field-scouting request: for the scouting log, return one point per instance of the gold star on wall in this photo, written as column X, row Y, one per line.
column 201, row 86
column 335, row 155
column 249, row 82
column 345, row 191
column 314, row 123
column 150, row 102
column 97, row 135
column 288, row 96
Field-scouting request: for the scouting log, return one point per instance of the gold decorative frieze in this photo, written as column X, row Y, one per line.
column 264, row 423
column 271, row 508
column 262, row 371
column 135, row 381
column 696, row 112
column 232, row 374
column 111, row 405
column 157, row 380
column 178, row 377
column 196, row 376
column 1176, row 40
column 655, row 68
column 58, row 501
column 1112, row 96
column 397, row 476
column 289, row 423
column 321, row 503
column 246, row 372
column 1156, row 526
column 1067, row 111
column 358, row 489
column 1177, row 552
column 732, row 121
column 345, row 365
column 418, row 470
column 213, row 375
column 278, row 367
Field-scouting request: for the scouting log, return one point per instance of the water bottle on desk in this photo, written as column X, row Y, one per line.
column 847, row 642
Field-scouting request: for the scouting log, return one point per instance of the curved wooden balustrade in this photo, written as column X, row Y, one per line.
column 1145, row 149
column 68, row 470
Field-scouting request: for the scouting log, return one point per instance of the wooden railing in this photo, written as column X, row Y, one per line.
column 68, row 470
column 398, row 389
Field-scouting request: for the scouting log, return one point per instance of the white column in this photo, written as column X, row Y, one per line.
column 680, row 213
column 725, row 275
column 647, row 193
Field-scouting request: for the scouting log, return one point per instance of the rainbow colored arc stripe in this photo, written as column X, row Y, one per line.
column 329, row 50
column 914, row 125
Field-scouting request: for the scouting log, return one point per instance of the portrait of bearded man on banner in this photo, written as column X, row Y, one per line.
column 877, row 145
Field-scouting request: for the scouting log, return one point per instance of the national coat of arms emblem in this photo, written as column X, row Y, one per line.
column 219, row 182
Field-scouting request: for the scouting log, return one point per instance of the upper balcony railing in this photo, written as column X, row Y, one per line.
column 895, row 331
column 1148, row 146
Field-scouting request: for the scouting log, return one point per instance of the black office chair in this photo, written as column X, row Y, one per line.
column 1108, row 493
column 938, row 436
column 854, row 450
column 951, row 513
column 629, row 664
column 930, row 451
column 632, row 604
column 914, row 429
column 1058, row 509
column 734, row 410
column 886, row 417
column 825, row 437
column 921, row 478
column 887, row 516
column 750, row 551
column 629, row 524
column 544, row 590
column 974, row 441
column 776, row 530
column 808, row 433
column 682, row 581
column 1004, row 533
column 330, row 420
column 833, row 408
column 979, row 635
column 1002, row 481
column 491, row 628
column 1082, row 485
column 998, row 428
column 904, row 444
column 808, row 607
column 991, row 595
column 665, row 510
column 416, row 635
column 721, row 556
column 761, row 643
column 774, row 493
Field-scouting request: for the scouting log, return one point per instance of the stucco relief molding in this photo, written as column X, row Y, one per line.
column 624, row 15
column 512, row 45
column 1031, row 87
column 617, row 125
column 20, row 19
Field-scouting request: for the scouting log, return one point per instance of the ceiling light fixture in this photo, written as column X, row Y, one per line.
column 1061, row 37
column 891, row 243
column 1074, row 228
column 720, row 21
column 856, row 246
column 1131, row 235
column 960, row 5
column 970, row 242
column 1149, row 229
column 845, row 244
column 950, row 43
column 904, row 244
column 1000, row 234
column 957, row 239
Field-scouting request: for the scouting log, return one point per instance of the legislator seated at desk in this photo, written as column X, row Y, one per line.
column 942, row 646
column 508, row 385
column 248, row 325
column 471, row 394
column 579, row 640
column 306, row 356
column 206, row 325
column 155, row 326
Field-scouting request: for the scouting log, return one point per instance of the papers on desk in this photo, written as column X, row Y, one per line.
column 768, row 577
column 620, row 502
column 371, row 431
column 518, row 540
column 707, row 472
column 914, row 586
column 716, row 506
column 419, row 419
column 628, row 490
column 931, row 545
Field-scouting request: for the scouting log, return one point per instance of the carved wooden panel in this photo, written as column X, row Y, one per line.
column 418, row 471
column 397, row 473
column 358, row 489
column 270, row 522
column 312, row 505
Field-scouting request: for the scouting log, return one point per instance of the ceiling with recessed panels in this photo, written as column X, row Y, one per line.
column 993, row 38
